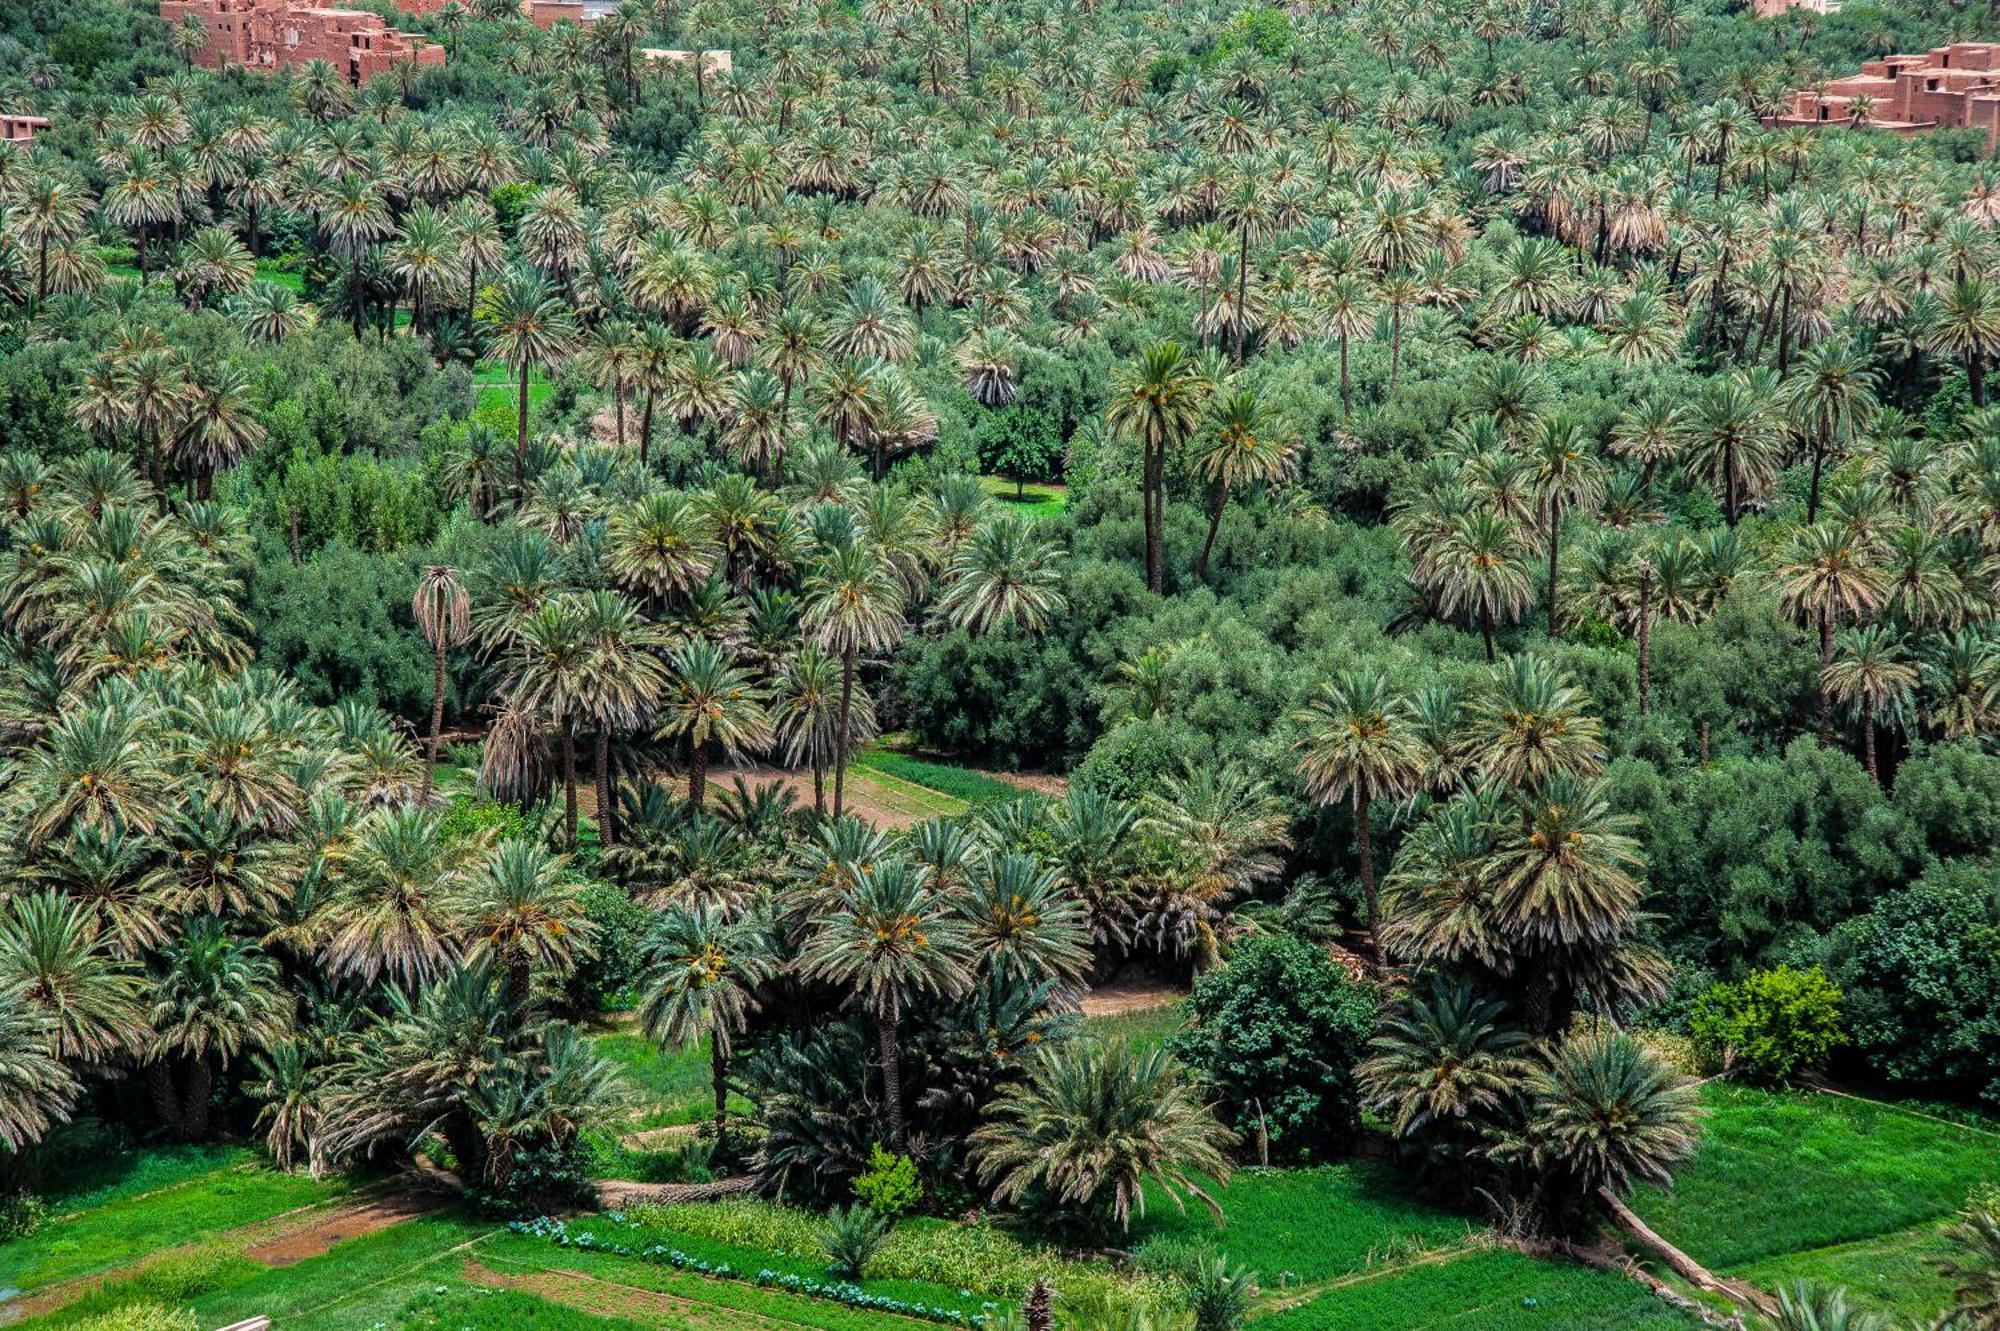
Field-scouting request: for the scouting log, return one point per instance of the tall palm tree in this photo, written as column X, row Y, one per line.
column 1358, row 739
column 852, row 602
column 443, row 613
column 1965, row 325
column 1828, row 401
column 892, row 940
column 1480, row 567
column 703, row 968
column 710, row 699
column 1245, row 444
column 806, row 715
column 1022, row 924
column 531, row 328
column 1348, row 307
column 1733, row 441
column 545, row 671
column 1567, row 476
column 1872, row 679
column 1156, row 403
column 1825, row 574
column 393, row 910
column 355, row 218
column 621, row 683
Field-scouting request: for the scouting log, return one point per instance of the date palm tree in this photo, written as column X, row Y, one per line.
column 1446, row 1056
column 545, row 671
column 1826, row 573
column 1091, row 1125
column 806, row 715
column 218, row 426
column 891, row 939
column 1156, row 404
column 710, row 699
column 1358, row 740
column 1972, row 1265
column 1828, row 402
column 36, row 1087
column 1480, row 567
column 523, row 908
column 1004, row 576
column 852, row 602
column 1022, row 924
column 1870, row 677
column 532, row 329
column 703, row 969
column 55, row 959
column 443, row 613
column 1733, row 441
column 392, row 911
column 216, row 998
column 1245, row 444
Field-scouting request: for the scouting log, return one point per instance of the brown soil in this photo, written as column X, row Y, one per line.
column 349, row 1222
column 653, row 1139
column 1040, row 783
column 865, row 798
column 1115, row 1000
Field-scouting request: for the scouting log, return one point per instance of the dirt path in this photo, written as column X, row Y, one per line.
column 1116, row 1000
column 609, row 1298
column 349, row 1222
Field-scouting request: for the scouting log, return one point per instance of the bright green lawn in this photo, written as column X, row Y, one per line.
column 1893, row 1274
column 1786, row 1171
column 1488, row 1291
column 1038, row 499
column 1144, row 1030
column 1314, row 1224
column 956, row 783
column 95, row 1177
column 129, row 1228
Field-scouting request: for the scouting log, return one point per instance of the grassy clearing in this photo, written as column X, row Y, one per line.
column 1040, row 499
column 1144, row 1030
column 92, row 1175
column 1787, row 1172
column 1494, row 1290
column 354, row 1284
column 125, row 1230
column 494, row 383
column 477, row 1309
column 1308, row 1225
column 267, row 271
column 1893, row 1274
column 957, row 784
column 673, row 1083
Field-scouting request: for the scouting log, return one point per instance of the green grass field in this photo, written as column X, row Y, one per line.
column 1144, row 1030
column 957, row 784
column 1494, row 1290
column 1039, row 499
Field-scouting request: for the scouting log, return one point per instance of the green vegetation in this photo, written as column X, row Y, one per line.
column 1491, row 1291
column 504, row 1310
column 956, row 783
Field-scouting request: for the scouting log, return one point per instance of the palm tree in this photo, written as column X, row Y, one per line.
column 1244, row 445
column 1827, row 573
column 216, row 997
column 523, row 908
column 1022, row 924
column 1004, row 576
column 703, row 970
column 444, row 616
column 1566, row 476
column 1156, row 404
column 1531, row 725
column 853, row 602
column 1091, row 1125
column 1973, row 1267
column 1733, row 441
column 1965, row 325
column 531, row 328
column 1349, row 309
column 1872, row 679
column 140, row 196
column 54, row 959
column 36, row 1088
column 1444, row 1057
column 545, row 671
column 218, row 426
column 621, row 683
column 1805, row 1306
column 356, row 216
column 891, row 939
column 709, row 699
column 806, row 715
column 1480, row 566
column 1358, row 739
column 1829, row 401
column 49, row 209
column 392, row 913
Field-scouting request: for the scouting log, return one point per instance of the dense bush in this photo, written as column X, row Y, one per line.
column 1772, row 1025
column 1276, row 1034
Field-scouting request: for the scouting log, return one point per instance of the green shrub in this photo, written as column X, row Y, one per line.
column 850, row 1238
column 889, row 1187
column 21, row 1214
column 1277, row 1033
column 143, row 1317
column 1774, row 1025
column 1219, row 1294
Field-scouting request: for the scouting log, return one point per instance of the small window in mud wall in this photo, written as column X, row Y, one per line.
column 1930, row 85
column 1822, row 110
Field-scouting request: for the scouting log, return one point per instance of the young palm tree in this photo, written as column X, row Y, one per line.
column 710, row 699
column 217, row 996
column 531, row 329
column 1004, row 576
column 1829, row 401
column 392, row 912
column 1022, row 925
column 1091, row 1125
column 523, row 908
column 853, row 602
column 1358, row 739
column 1244, row 445
column 443, row 613
column 1156, row 403
column 1446, row 1056
column 703, row 970
column 892, row 940
column 1973, row 1267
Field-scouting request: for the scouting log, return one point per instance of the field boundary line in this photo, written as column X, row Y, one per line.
column 1906, row 1111
column 436, row 1257
column 1300, row 1295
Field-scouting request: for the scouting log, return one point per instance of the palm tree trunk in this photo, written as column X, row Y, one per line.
column 1555, row 556
column 1825, row 698
column 819, row 789
column 471, row 292
column 892, row 1075
column 607, row 797
column 1395, row 346
column 1346, row 397
column 1364, row 847
column 618, row 397
column 1156, row 577
column 646, row 426
column 193, row 1126
column 1214, row 521
column 519, row 975
column 846, row 717
column 1486, row 630
column 569, row 780
column 1975, row 374
column 1812, row 494
column 1242, row 285
column 697, row 774
column 437, row 721
column 1868, row 748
